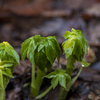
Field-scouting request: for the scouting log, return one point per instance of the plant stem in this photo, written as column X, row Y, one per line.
column 2, row 94
column 34, row 87
column 63, row 93
column 44, row 93
column 2, row 89
column 39, row 78
column 70, row 65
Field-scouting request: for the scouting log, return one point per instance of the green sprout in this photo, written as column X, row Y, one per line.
column 41, row 51
column 8, row 59
column 74, row 49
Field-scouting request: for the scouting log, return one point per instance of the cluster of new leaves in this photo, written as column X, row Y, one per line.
column 58, row 76
column 74, row 49
column 75, row 45
column 8, row 58
column 8, row 53
column 41, row 50
column 5, row 72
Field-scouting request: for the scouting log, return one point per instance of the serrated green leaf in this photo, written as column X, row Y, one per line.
column 6, row 62
column 24, row 48
column 56, row 46
column 67, row 76
column 54, row 82
column 78, row 50
column 1, row 46
column 58, row 76
column 6, row 68
column 52, row 74
column 75, row 44
column 50, row 52
column 8, row 65
column 30, row 52
column 10, row 50
column 38, row 39
column 8, row 58
column 40, row 47
column 3, row 55
column 42, row 61
column 82, row 39
column 74, row 48
column 68, row 47
column 29, row 46
column 41, row 50
column 7, row 72
column 67, row 34
column 62, row 80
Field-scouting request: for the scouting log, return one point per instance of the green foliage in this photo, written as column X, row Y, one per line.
column 5, row 72
column 74, row 49
column 7, row 52
column 8, row 59
column 41, row 50
column 84, row 63
column 75, row 44
column 58, row 76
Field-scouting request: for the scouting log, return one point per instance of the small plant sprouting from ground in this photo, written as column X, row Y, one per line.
column 74, row 49
column 8, row 59
column 41, row 51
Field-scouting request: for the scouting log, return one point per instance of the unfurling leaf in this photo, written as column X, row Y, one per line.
column 75, row 45
column 5, row 67
column 58, row 76
column 41, row 50
column 8, row 53
column 74, row 48
column 8, row 59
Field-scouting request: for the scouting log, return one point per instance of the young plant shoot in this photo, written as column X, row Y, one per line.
column 74, row 49
column 41, row 51
column 8, row 59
